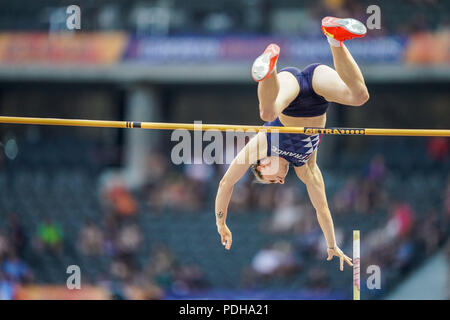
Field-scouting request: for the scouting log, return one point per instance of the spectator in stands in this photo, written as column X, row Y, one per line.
column 128, row 239
column 15, row 269
column 310, row 242
column 401, row 219
column 438, row 148
column 176, row 193
column 16, row 233
column 403, row 256
column 50, row 236
column 396, row 228
column 122, row 200
column 7, row 287
column 4, row 245
column 277, row 260
column 110, row 230
column 371, row 192
column 199, row 171
column 116, row 197
column 161, row 266
column 289, row 213
column 158, row 165
column 368, row 196
column 345, row 199
column 91, row 239
column 148, row 289
column 120, row 270
column 429, row 231
column 189, row 278
column 377, row 169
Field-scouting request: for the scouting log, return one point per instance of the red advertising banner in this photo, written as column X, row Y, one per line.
column 428, row 48
column 62, row 48
column 87, row 292
column 36, row 292
column 115, row 47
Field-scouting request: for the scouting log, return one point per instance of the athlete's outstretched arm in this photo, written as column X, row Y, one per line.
column 344, row 85
column 254, row 150
column 312, row 177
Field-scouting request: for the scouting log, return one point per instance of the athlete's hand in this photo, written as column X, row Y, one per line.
column 225, row 235
column 342, row 257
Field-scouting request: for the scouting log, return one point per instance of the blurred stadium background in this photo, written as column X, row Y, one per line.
column 112, row 202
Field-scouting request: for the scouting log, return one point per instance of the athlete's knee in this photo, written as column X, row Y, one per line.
column 305, row 175
column 312, row 174
column 361, row 96
column 311, row 165
column 267, row 114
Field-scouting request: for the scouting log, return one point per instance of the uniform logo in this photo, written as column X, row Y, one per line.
column 299, row 150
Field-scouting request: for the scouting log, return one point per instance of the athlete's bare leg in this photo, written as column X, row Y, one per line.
column 346, row 84
column 268, row 90
column 276, row 93
column 348, row 69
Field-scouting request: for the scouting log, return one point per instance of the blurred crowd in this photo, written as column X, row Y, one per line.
column 402, row 231
column 397, row 242
column 176, row 17
column 120, row 237
column 399, row 237
column 14, row 269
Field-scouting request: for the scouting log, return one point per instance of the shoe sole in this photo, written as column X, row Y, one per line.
column 351, row 25
column 260, row 67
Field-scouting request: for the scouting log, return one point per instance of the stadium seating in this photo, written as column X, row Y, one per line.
column 64, row 187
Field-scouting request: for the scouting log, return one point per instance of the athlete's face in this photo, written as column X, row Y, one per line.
column 273, row 169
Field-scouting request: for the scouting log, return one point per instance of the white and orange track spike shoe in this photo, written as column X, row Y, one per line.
column 265, row 63
column 343, row 29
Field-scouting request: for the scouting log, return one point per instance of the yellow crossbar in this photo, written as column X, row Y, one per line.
column 223, row 127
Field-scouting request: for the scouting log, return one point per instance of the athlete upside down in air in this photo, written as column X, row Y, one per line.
column 297, row 98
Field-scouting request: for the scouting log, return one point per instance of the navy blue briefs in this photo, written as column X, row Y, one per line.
column 307, row 103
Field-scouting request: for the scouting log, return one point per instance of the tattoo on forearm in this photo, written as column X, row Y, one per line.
column 219, row 215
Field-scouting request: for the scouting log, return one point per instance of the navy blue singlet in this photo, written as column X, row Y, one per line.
column 298, row 148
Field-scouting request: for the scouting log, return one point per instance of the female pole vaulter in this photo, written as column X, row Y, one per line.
column 297, row 98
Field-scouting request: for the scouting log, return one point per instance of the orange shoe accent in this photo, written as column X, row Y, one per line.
column 343, row 29
column 263, row 65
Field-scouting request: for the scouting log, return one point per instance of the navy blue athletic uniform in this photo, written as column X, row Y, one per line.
column 298, row 148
